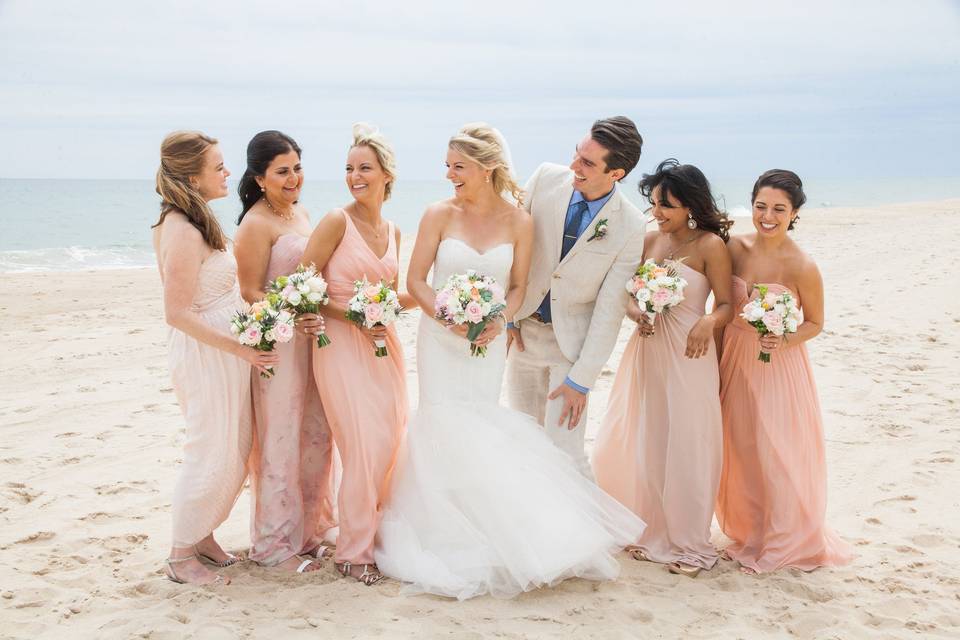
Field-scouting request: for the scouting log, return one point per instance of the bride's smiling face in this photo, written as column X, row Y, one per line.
column 467, row 176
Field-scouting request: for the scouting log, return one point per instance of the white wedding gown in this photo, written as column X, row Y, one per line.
column 482, row 501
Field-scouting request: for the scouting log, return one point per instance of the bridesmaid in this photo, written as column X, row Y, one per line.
column 290, row 465
column 210, row 369
column 659, row 446
column 773, row 489
column 365, row 396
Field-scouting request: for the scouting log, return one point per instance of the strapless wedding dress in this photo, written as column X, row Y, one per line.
column 482, row 501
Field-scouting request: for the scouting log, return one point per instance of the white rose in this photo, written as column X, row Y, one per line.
column 664, row 281
column 317, row 284
column 270, row 335
column 791, row 324
column 294, row 298
column 643, row 295
column 314, row 297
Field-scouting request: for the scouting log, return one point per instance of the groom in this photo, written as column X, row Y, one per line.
column 588, row 239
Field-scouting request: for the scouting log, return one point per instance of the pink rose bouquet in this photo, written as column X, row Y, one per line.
column 770, row 313
column 472, row 299
column 372, row 305
column 303, row 291
column 263, row 326
column 657, row 287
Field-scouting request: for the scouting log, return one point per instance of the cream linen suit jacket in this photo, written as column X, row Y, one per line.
column 588, row 298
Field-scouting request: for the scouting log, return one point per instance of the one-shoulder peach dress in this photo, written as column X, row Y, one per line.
column 659, row 446
column 213, row 390
column 291, row 462
column 773, row 487
column 365, row 397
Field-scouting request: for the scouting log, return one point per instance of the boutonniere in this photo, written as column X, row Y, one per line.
column 599, row 231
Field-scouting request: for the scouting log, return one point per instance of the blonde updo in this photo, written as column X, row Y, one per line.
column 367, row 135
column 481, row 143
column 182, row 156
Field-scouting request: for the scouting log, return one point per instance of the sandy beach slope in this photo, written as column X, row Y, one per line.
column 91, row 438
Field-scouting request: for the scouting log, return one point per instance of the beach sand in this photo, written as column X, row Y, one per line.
column 92, row 438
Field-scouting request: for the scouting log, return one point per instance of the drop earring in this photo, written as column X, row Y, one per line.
column 691, row 223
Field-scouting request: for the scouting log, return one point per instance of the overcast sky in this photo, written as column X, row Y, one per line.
column 831, row 89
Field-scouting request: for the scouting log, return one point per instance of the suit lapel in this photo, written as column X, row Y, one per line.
column 560, row 206
column 610, row 211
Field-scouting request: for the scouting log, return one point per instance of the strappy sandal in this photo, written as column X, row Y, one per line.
column 368, row 577
column 639, row 554
column 306, row 563
column 681, row 569
column 230, row 561
column 320, row 552
column 172, row 576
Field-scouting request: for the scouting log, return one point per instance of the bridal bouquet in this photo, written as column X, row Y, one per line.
column 303, row 291
column 771, row 313
column 470, row 298
column 264, row 325
column 657, row 287
column 372, row 305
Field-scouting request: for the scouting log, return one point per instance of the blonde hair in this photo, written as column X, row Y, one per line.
column 182, row 156
column 367, row 135
column 481, row 143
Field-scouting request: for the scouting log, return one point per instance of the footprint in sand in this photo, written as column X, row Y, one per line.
column 133, row 486
column 39, row 536
column 19, row 492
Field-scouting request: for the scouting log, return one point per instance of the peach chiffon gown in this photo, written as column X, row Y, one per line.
column 773, row 489
column 213, row 389
column 659, row 447
column 291, row 461
column 365, row 397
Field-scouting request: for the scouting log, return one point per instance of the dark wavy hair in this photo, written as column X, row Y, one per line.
column 619, row 136
column 786, row 181
column 261, row 150
column 687, row 184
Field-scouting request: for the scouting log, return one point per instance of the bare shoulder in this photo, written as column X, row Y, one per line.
column 254, row 226
column 177, row 228
column 804, row 267
column 520, row 219
column 711, row 244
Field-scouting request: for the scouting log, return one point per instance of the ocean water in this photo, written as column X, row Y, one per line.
column 69, row 225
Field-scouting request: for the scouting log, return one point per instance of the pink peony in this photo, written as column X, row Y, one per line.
column 250, row 336
column 474, row 312
column 371, row 291
column 373, row 313
column 661, row 298
column 283, row 332
column 773, row 322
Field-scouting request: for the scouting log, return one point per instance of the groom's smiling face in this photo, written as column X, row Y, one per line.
column 590, row 175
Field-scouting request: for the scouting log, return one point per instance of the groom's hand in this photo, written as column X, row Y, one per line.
column 513, row 335
column 573, row 404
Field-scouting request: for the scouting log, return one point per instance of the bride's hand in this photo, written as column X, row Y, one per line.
column 459, row 329
column 490, row 332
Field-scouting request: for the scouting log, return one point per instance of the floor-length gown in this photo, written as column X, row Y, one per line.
column 364, row 396
column 213, row 389
column 482, row 500
column 291, row 461
column 659, row 447
column 773, row 488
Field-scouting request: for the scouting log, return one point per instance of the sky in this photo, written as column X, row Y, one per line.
column 847, row 89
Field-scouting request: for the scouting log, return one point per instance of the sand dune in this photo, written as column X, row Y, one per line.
column 91, row 441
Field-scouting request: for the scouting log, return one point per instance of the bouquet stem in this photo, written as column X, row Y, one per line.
column 381, row 349
column 763, row 357
column 266, row 375
column 322, row 340
column 478, row 351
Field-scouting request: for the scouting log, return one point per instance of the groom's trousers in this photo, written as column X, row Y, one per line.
column 531, row 375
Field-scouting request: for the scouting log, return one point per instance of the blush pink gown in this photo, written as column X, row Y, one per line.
column 365, row 397
column 291, row 462
column 773, row 487
column 659, row 446
column 213, row 390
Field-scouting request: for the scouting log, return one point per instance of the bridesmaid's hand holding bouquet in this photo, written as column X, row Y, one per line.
column 263, row 326
column 771, row 314
column 656, row 288
column 373, row 305
column 303, row 292
column 473, row 300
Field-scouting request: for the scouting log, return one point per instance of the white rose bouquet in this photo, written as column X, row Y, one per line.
column 770, row 313
column 472, row 299
column 303, row 291
column 372, row 305
column 263, row 326
column 657, row 287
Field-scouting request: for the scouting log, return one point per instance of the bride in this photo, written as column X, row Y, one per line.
column 482, row 501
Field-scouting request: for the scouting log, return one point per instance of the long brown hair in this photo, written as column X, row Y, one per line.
column 182, row 155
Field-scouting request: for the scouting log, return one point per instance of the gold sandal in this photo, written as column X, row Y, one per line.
column 172, row 576
column 684, row 569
